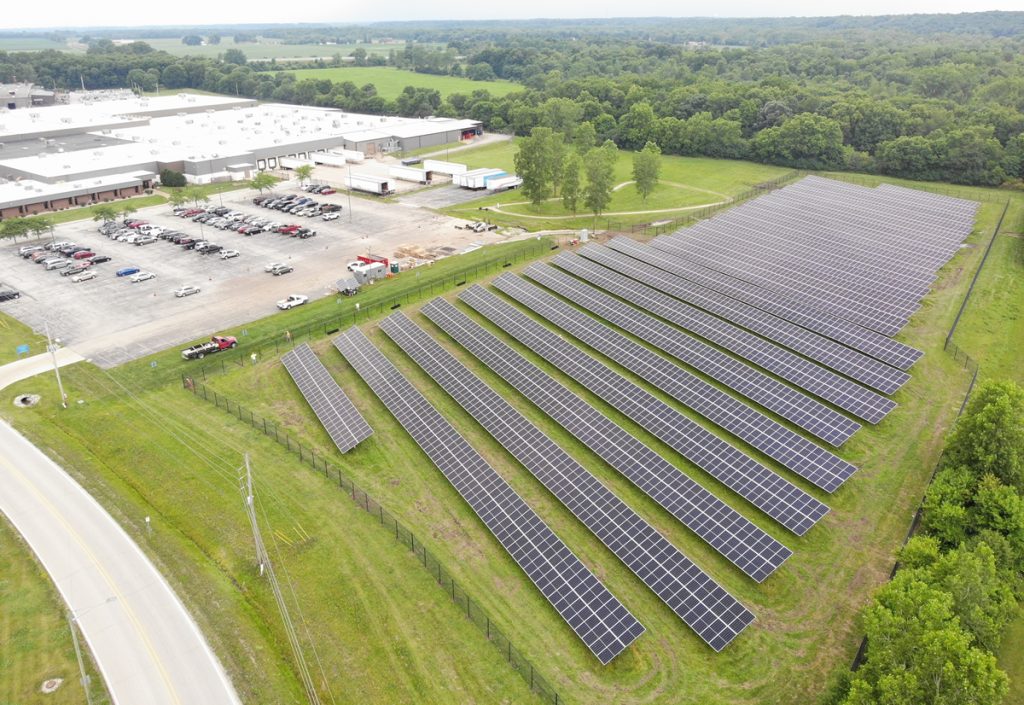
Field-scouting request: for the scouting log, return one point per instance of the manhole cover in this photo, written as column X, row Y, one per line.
column 24, row 400
column 51, row 685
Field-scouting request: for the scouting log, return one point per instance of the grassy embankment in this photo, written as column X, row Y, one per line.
column 35, row 638
column 387, row 634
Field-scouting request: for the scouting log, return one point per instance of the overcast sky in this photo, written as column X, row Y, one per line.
column 78, row 13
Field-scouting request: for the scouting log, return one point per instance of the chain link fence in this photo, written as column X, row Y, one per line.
column 319, row 463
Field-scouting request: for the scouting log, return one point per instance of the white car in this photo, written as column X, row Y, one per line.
column 141, row 277
column 186, row 291
column 272, row 266
column 292, row 301
column 84, row 276
column 330, row 216
column 353, row 266
column 228, row 254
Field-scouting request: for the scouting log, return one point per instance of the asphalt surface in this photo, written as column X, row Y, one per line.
column 146, row 645
column 111, row 320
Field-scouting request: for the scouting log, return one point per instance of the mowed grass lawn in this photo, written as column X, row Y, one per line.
column 390, row 82
column 384, row 631
column 14, row 333
column 35, row 638
column 686, row 183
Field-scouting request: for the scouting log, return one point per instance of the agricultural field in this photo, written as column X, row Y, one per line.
column 390, row 82
column 357, row 589
column 11, row 44
column 686, row 184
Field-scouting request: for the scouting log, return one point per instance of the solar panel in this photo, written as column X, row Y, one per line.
column 715, row 615
column 791, row 404
column 867, row 341
column 790, row 449
column 594, row 614
column 342, row 421
column 850, row 362
column 747, row 546
column 870, row 313
column 787, row 504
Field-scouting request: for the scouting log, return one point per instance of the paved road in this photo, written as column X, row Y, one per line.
column 37, row 364
column 146, row 645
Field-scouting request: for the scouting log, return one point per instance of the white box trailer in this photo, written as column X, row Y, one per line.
column 328, row 159
column 369, row 184
column 450, row 168
column 408, row 173
column 352, row 156
column 293, row 162
column 476, row 179
column 503, row 183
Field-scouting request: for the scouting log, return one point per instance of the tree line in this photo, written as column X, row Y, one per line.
column 932, row 630
column 893, row 98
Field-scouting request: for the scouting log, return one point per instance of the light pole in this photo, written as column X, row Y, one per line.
column 56, row 369
column 349, row 190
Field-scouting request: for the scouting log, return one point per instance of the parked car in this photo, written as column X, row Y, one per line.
column 29, row 249
column 57, row 245
column 127, row 271
column 229, row 254
column 209, row 249
column 187, row 290
column 333, row 215
column 57, row 264
column 145, row 240
column 305, row 233
column 353, row 266
column 9, row 295
column 75, row 268
column 40, row 256
column 283, row 269
column 84, row 275
column 142, row 276
column 84, row 254
column 292, row 301
column 272, row 266
column 99, row 259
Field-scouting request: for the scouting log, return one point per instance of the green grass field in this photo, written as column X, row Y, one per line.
column 384, row 631
column 391, row 81
column 87, row 212
column 687, row 183
column 11, row 44
column 35, row 638
column 14, row 333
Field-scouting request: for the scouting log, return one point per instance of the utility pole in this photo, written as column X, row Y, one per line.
column 267, row 568
column 78, row 654
column 56, row 368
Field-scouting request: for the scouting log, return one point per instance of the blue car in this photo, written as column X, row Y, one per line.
column 127, row 271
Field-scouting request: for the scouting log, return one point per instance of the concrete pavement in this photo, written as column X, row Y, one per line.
column 146, row 645
column 37, row 364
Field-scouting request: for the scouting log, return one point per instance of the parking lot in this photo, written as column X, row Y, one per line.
column 111, row 320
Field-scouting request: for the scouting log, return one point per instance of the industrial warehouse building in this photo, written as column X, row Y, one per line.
column 71, row 155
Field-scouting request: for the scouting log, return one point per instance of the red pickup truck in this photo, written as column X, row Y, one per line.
column 216, row 344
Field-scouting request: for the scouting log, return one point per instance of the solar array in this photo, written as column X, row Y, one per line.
column 823, row 421
column 852, row 363
column 865, row 255
column 828, row 324
column 715, row 615
column 748, row 547
column 342, row 421
column 593, row 613
column 810, row 461
column 787, row 504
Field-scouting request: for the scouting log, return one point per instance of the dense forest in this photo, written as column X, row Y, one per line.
column 932, row 97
